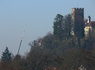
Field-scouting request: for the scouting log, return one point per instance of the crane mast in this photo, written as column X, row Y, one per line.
column 19, row 47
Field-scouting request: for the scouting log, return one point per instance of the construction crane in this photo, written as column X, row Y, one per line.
column 21, row 41
column 17, row 57
column 19, row 47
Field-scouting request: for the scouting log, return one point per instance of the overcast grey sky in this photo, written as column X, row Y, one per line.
column 35, row 17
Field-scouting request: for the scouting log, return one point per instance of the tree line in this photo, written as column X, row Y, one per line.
column 55, row 51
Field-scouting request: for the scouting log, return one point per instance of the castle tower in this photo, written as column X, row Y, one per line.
column 78, row 22
column 89, row 19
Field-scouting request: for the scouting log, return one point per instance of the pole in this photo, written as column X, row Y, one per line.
column 19, row 47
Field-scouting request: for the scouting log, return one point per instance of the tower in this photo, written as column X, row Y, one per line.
column 89, row 19
column 78, row 22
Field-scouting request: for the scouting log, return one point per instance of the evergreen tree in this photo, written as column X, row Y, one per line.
column 67, row 26
column 58, row 30
column 62, row 26
column 6, row 56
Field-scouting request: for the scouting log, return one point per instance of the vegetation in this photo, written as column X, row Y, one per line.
column 58, row 30
column 58, row 51
column 62, row 26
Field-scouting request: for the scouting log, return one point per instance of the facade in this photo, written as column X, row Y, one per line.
column 78, row 22
column 89, row 26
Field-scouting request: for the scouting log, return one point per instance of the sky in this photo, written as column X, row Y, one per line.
column 33, row 19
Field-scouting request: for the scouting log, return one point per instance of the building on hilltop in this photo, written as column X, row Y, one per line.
column 78, row 22
column 80, row 28
column 89, row 26
column 73, row 25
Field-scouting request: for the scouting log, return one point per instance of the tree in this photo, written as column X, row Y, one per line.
column 6, row 56
column 62, row 26
column 6, row 60
column 67, row 26
column 58, row 30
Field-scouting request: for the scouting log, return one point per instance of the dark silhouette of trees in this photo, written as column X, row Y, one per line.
column 6, row 60
column 58, row 23
column 67, row 26
column 6, row 56
column 62, row 26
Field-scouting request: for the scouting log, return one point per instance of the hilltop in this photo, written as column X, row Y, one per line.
column 67, row 48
